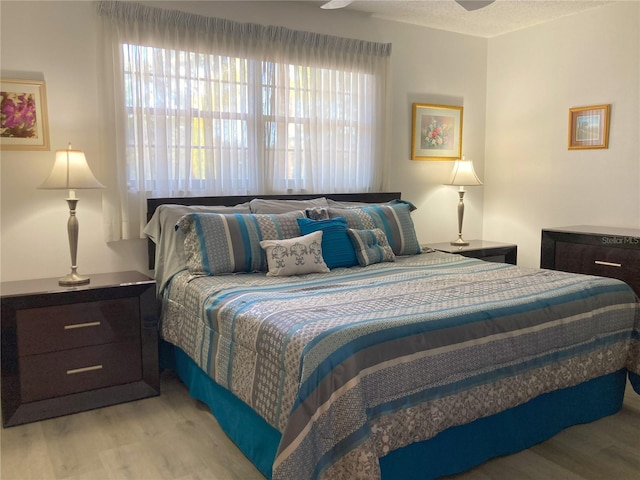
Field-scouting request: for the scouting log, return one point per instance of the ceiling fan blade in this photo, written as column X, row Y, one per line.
column 332, row 4
column 471, row 5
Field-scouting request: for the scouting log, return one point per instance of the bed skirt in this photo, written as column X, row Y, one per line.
column 451, row 451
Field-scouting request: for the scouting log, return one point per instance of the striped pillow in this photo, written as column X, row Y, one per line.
column 394, row 218
column 228, row 243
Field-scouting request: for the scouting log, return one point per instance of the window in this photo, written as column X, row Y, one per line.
column 186, row 112
column 209, row 107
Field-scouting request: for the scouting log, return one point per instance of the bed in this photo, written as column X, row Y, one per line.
column 406, row 364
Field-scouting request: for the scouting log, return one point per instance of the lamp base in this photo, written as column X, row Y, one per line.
column 459, row 242
column 73, row 279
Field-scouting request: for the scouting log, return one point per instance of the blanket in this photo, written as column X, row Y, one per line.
column 352, row 364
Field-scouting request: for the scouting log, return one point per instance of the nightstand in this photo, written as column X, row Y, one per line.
column 482, row 249
column 69, row 349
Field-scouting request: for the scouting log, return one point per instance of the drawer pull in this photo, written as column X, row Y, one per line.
column 82, row 325
column 84, row 369
column 607, row 264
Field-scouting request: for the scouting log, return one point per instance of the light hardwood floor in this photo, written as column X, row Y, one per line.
column 175, row 437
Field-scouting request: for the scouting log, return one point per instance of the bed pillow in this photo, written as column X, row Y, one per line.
column 346, row 203
column 264, row 205
column 220, row 243
column 295, row 256
column 371, row 246
column 169, row 251
column 337, row 249
column 394, row 218
column 351, row 204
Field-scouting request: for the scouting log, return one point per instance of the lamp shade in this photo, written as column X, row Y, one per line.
column 463, row 174
column 70, row 172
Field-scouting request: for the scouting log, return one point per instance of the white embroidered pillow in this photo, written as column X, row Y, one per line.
column 295, row 256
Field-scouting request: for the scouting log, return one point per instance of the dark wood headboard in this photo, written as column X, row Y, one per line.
column 153, row 203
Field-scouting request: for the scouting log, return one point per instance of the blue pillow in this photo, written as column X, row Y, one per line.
column 337, row 249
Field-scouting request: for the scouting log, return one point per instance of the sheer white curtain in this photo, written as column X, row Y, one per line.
column 200, row 106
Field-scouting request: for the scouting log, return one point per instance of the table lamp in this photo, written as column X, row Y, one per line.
column 71, row 172
column 462, row 175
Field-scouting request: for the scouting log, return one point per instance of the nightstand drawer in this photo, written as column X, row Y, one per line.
column 62, row 327
column 78, row 370
column 623, row 264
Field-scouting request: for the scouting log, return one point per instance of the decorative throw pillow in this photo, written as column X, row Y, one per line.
column 394, row 218
column 221, row 243
column 295, row 256
column 371, row 246
column 337, row 249
column 317, row 213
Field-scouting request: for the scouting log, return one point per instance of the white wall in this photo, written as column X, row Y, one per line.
column 55, row 42
column 522, row 83
column 534, row 76
column 427, row 66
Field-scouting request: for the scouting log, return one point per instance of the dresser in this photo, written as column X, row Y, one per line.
column 68, row 349
column 603, row 251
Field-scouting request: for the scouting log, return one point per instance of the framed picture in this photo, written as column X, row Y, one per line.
column 589, row 127
column 436, row 132
column 23, row 115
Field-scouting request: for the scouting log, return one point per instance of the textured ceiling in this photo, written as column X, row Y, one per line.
column 500, row 17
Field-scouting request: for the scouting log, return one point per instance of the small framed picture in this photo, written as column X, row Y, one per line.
column 436, row 132
column 23, row 115
column 589, row 127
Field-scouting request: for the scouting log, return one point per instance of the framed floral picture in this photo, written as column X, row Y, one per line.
column 589, row 127
column 436, row 132
column 23, row 115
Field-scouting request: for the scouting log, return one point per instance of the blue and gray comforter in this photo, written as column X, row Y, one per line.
column 353, row 364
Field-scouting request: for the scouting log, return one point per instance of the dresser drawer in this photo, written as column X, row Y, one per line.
column 620, row 263
column 70, row 371
column 62, row 327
